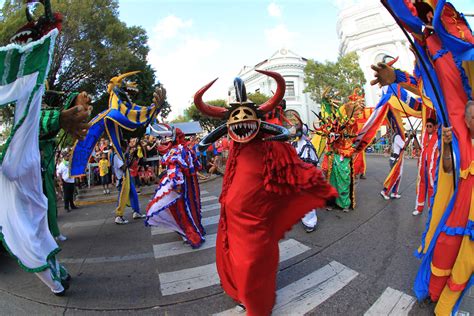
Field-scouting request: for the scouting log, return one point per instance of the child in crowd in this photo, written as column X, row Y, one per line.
column 104, row 167
column 143, row 176
column 150, row 174
column 134, row 170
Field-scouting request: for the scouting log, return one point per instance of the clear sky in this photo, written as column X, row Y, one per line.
column 194, row 41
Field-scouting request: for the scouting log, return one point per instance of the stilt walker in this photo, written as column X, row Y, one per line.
column 24, row 229
column 444, row 45
column 122, row 113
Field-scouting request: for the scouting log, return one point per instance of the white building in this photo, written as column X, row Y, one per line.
column 368, row 29
column 291, row 67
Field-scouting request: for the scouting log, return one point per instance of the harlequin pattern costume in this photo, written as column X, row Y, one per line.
column 177, row 202
column 121, row 113
column 24, row 227
column 446, row 55
column 266, row 190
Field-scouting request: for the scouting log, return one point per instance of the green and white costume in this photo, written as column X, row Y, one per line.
column 23, row 210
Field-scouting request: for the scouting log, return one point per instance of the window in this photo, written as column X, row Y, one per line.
column 290, row 89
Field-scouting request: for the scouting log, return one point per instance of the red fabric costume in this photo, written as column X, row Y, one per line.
column 427, row 170
column 359, row 164
column 266, row 190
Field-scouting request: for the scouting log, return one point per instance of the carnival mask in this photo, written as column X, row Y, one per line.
column 243, row 124
column 36, row 29
column 123, row 87
column 244, row 119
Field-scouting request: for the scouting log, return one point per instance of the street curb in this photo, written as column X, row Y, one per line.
column 110, row 200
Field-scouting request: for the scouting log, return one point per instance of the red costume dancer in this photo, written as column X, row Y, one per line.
column 266, row 190
column 177, row 202
column 427, row 166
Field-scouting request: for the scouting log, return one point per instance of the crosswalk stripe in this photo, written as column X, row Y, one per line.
column 209, row 198
column 210, row 207
column 203, row 276
column 177, row 247
column 308, row 292
column 208, row 221
column 391, row 302
column 305, row 294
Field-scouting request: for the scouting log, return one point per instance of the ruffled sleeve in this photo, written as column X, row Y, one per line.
column 285, row 173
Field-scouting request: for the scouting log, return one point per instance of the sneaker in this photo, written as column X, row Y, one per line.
column 137, row 215
column 240, row 309
column 385, row 196
column 395, row 196
column 329, row 208
column 362, row 176
column 345, row 210
column 119, row 220
column 416, row 213
column 108, row 191
column 61, row 238
column 105, row 192
column 309, row 229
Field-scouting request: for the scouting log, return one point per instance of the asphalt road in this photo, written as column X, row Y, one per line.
column 354, row 263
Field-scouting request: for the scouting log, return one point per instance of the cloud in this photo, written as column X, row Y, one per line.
column 185, row 63
column 280, row 36
column 274, row 10
column 169, row 28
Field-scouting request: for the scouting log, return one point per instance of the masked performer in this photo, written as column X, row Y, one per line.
column 122, row 113
column 177, row 201
column 266, row 190
column 338, row 126
column 445, row 48
column 24, row 227
column 307, row 153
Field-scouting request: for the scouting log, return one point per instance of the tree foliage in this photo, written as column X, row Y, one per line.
column 93, row 47
column 208, row 123
column 342, row 76
column 258, row 98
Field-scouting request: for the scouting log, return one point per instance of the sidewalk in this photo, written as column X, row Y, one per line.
column 106, row 262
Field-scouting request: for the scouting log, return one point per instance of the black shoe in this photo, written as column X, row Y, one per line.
column 65, row 284
column 68, row 278
column 362, row 176
column 74, row 207
column 60, row 294
column 67, row 210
